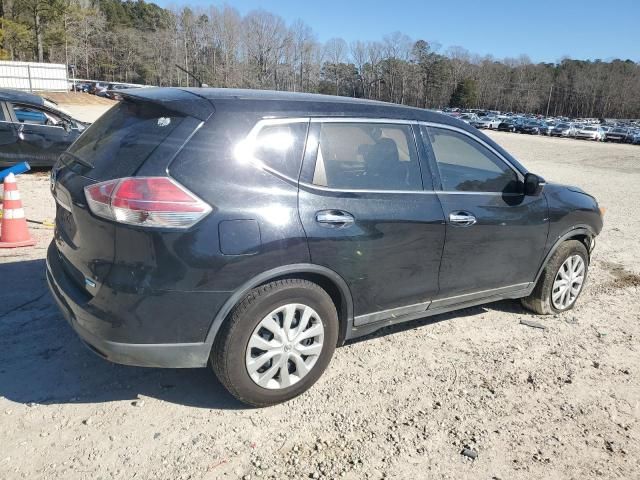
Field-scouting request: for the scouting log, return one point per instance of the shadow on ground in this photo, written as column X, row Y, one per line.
column 43, row 361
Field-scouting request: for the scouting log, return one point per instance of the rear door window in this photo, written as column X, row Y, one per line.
column 367, row 156
column 130, row 133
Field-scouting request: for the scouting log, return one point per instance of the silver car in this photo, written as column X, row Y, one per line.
column 486, row 122
column 468, row 117
column 563, row 130
column 590, row 132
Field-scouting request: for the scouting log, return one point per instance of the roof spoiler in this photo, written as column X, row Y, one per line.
column 176, row 99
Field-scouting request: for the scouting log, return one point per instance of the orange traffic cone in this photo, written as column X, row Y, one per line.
column 14, row 232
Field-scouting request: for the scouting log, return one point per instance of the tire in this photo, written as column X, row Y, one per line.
column 230, row 355
column 540, row 300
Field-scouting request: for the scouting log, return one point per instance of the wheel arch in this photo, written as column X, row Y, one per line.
column 326, row 278
column 582, row 233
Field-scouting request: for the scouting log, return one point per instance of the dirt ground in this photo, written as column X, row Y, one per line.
column 83, row 106
column 560, row 403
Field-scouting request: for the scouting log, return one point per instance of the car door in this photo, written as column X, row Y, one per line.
column 9, row 149
column 41, row 133
column 495, row 236
column 367, row 216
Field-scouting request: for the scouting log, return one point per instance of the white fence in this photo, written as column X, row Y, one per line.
column 32, row 76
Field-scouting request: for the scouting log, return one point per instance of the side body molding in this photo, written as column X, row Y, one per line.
column 380, row 319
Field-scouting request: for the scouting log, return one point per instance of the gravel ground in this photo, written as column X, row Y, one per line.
column 406, row 402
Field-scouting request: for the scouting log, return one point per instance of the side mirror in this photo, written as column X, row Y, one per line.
column 533, row 184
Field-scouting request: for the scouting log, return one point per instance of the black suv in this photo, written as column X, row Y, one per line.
column 259, row 230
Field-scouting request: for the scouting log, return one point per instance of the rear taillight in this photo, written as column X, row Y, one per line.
column 158, row 202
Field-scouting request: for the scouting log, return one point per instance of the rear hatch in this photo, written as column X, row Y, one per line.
column 148, row 129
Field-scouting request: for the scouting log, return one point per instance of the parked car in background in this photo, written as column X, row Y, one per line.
column 33, row 129
column 507, row 126
column 532, row 127
column 81, row 87
column 468, row 117
column 605, row 129
column 546, row 127
column 201, row 227
column 563, row 130
column 635, row 138
column 490, row 123
column 113, row 90
column 618, row 134
column 591, row 132
column 98, row 88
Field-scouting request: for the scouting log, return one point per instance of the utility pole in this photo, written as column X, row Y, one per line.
column 549, row 101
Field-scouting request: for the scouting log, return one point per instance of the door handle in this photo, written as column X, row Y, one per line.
column 462, row 219
column 334, row 218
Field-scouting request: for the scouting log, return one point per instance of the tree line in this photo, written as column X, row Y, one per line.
column 135, row 41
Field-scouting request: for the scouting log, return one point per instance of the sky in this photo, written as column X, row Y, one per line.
column 545, row 30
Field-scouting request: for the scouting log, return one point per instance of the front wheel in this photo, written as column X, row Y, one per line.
column 276, row 342
column 562, row 280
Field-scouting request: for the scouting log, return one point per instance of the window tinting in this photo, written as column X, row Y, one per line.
column 467, row 166
column 120, row 141
column 367, row 156
column 280, row 147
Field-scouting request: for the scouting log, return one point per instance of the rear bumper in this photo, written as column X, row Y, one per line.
column 74, row 308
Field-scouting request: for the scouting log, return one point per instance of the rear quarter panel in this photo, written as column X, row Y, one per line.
column 236, row 191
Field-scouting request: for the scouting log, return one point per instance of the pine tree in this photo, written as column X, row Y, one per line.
column 465, row 95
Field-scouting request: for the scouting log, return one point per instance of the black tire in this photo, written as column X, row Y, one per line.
column 539, row 301
column 229, row 349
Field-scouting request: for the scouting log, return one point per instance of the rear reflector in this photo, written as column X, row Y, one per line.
column 158, row 202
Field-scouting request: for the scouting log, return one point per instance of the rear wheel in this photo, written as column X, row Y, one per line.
column 276, row 343
column 562, row 280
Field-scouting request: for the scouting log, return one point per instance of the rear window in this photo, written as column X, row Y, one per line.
column 280, row 147
column 129, row 134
